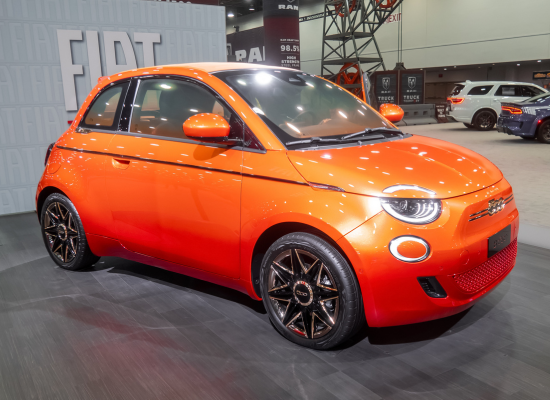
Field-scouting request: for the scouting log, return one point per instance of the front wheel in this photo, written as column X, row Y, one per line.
column 544, row 132
column 484, row 120
column 310, row 292
column 64, row 234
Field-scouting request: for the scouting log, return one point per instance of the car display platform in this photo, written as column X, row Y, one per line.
column 124, row 330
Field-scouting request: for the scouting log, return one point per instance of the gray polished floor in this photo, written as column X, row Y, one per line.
column 129, row 331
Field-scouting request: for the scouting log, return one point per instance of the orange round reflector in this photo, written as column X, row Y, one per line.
column 411, row 249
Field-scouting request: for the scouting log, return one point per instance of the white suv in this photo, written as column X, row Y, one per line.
column 477, row 104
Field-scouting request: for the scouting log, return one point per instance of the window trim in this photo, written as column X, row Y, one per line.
column 198, row 83
column 118, row 114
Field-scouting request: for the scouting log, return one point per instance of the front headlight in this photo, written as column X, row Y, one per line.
column 413, row 211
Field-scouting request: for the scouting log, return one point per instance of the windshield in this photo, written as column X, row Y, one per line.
column 537, row 99
column 296, row 105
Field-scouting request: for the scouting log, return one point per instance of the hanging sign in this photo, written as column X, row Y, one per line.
column 385, row 87
column 541, row 75
column 282, row 33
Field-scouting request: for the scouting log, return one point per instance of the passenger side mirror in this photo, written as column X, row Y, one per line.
column 207, row 127
column 392, row 112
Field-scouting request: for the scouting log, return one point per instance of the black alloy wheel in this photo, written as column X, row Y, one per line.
column 310, row 292
column 544, row 132
column 484, row 120
column 64, row 235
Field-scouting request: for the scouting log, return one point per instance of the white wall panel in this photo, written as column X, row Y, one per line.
column 33, row 110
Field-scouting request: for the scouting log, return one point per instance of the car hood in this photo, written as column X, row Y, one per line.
column 444, row 168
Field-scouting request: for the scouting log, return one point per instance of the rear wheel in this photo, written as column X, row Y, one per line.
column 469, row 126
column 64, row 234
column 544, row 132
column 484, row 120
column 310, row 292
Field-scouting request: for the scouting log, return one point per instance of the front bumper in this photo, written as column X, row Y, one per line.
column 391, row 292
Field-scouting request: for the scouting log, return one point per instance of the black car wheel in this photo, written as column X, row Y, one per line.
column 484, row 120
column 544, row 132
column 310, row 292
column 64, row 235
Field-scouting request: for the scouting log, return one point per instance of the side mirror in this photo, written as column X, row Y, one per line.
column 392, row 112
column 207, row 127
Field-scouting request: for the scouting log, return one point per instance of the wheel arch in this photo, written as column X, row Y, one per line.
column 542, row 121
column 274, row 232
column 44, row 193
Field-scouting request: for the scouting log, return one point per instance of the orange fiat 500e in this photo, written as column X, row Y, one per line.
column 284, row 186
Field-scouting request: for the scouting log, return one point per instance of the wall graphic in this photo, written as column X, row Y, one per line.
column 282, row 33
column 248, row 46
column 51, row 54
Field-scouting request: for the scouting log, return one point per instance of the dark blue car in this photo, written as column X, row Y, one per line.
column 529, row 119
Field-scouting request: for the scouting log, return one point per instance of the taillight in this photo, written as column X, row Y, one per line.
column 512, row 110
column 455, row 100
column 48, row 152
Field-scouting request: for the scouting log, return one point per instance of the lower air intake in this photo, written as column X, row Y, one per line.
column 483, row 275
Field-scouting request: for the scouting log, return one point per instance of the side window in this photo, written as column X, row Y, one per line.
column 480, row 90
column 509, row 90
column 105, row 110
column 531, row 91
column 163, row 105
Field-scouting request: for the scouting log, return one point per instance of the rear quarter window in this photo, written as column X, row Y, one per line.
column 457, row 89
column 480, row 90
column 105, row 110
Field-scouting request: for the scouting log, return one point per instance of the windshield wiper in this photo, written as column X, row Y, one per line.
column 370, row 131
column 312, row 140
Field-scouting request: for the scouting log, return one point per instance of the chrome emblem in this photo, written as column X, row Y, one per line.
column 412, row 82
column 386, row 83
column 495, row 206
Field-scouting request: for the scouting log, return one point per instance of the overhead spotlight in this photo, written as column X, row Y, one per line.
column 519, row 65
column 230, row 14
column 444, row 69
column 539, row 61
column 455, row 66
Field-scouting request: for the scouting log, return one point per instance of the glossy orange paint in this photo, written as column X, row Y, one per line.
column 392, row 112
column 206, row 126
column 201, row 209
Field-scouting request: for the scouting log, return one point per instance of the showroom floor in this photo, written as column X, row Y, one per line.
column 129, row 331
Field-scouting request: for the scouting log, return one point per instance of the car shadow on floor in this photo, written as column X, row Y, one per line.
column 412, row 333
column 176, row 281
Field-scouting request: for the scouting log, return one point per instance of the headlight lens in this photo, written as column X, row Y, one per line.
column 413, row 211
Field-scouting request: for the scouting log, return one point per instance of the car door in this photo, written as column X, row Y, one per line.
column 171, row 197
column 90, row 140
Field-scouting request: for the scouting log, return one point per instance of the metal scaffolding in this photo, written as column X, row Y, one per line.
column 348, row 33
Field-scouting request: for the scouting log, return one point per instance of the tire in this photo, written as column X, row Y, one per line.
column 310, row 292
column 484, row 120
column 543, row 135
column 64, row 234
column 469, row 126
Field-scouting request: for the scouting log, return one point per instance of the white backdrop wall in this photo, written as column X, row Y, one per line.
column 53, row 51
column 451, row 32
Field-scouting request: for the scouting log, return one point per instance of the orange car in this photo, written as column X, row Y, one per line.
column 284, row 186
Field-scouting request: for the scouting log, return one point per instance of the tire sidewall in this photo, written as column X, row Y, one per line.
column 75, row 263
column 540, row 137
column 335, row 263
column 477, row 125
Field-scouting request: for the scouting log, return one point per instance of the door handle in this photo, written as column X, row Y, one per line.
column 120, row 163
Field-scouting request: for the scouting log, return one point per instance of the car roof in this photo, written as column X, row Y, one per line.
column 495, row 83
column 220, row 66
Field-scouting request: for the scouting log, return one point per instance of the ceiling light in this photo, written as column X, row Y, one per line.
column 539, row 61
column 230, row 14
column 519, row 65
